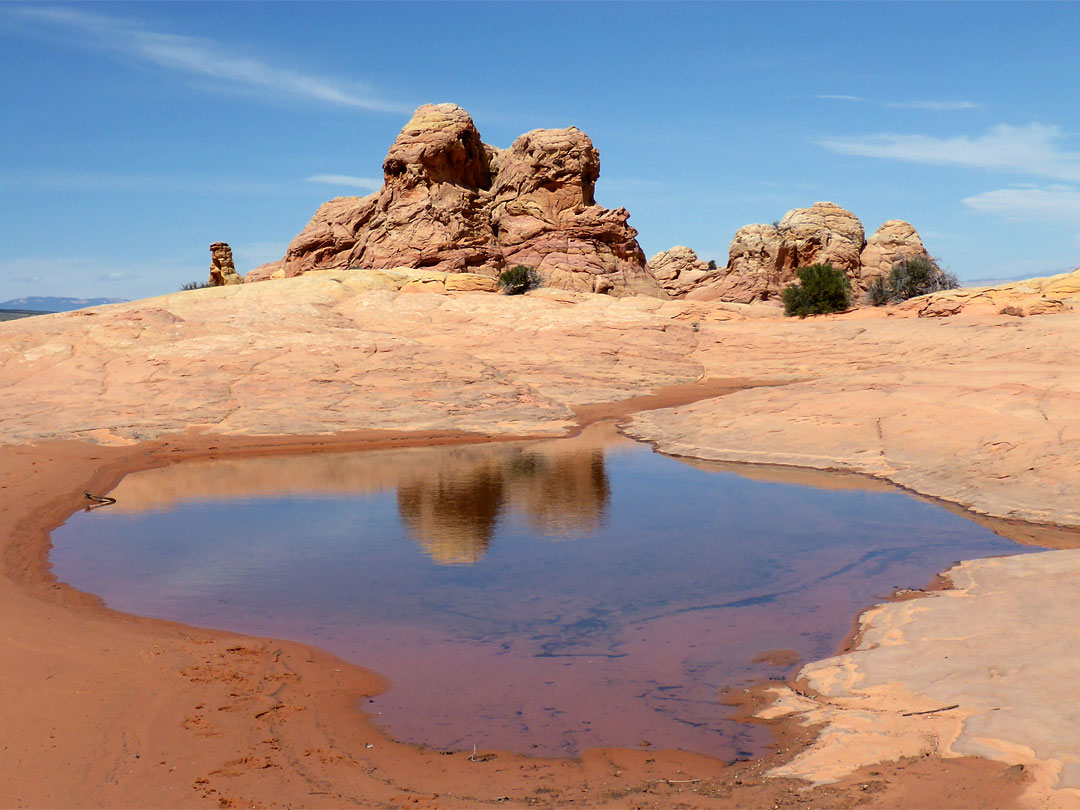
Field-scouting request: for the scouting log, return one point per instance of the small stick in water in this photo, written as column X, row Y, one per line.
column 97, row 501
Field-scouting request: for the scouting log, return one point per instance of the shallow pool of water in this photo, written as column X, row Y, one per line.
column 543, row 597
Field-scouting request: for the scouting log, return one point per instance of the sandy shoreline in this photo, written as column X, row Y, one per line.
column 189, row 717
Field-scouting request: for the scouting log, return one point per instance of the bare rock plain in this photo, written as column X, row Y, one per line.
column 962, row 697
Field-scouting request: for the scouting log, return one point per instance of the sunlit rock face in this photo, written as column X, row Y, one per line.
column 222, row 269
column 544, row 215
column 825, row 233
column 893, row 242
column 765, row 259
column 451, row 203
column 679, row 271
column 759, row 265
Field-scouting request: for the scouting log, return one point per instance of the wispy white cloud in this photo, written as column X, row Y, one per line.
column 370, row 183
column 110, row 277
column 57, row 275
column 1055, row 203
column 939, row 106
column 77, row 180
column 942, row 106
column 206, row 58
column 1033, row 149
column 840, row 97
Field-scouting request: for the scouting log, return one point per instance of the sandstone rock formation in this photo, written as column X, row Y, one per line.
column 544, row 215
column 758, row 267
column 679, row 271
column 893, row 242
column 1034, row 296
column 222, row 269
column 764, row 259
column 823, row 233
column 265, row 271
column 451, row 203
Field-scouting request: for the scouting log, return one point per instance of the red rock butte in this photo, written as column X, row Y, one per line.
column 451, row 203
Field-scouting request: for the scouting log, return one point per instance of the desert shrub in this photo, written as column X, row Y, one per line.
column 909, row 278
column 821, row 289
column 918, row 276
column 712, row 264
column 196, row 285
column 519, row 279
column 879, row 292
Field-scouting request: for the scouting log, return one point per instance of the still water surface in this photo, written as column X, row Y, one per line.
column 544, row 597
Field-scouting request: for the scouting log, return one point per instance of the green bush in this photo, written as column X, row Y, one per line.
column 519, row 279
column 821, row 289
column 879, row 292
column 909, row 278
column 196, row 285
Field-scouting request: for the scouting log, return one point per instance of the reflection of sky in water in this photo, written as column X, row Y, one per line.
column 666, row 582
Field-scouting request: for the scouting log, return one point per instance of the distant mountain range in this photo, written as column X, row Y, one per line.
column 38, row 303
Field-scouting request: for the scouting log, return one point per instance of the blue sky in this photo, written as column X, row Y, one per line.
column 136, row 134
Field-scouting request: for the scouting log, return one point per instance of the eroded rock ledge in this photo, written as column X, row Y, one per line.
column 984, row 669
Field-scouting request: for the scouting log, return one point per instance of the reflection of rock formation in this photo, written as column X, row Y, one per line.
column 562, row 494
column 453, row 513
column 449, row 498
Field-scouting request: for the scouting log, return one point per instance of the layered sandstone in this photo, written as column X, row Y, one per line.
column 335, row 350
column 451, row 203
column 976, row 670
column 679, row 270
column 825, row 233
column 1034, row 296
column 265, row 271
column 759, row 266
column 764, row 259
column 222, row 268
column 893, row 242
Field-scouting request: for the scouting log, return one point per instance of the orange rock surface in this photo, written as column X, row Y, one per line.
column 979, row 409
column 451, row 203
